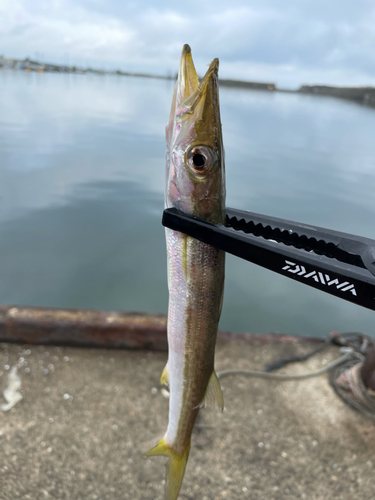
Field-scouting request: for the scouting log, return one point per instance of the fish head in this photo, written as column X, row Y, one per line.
column 195, row 181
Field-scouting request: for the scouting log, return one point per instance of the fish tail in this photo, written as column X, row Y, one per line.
column 175, row 467
column 175, row 474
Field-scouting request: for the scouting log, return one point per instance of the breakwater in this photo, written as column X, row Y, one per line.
column 361, row 95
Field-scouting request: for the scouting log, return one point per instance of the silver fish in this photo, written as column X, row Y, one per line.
column 195, row 184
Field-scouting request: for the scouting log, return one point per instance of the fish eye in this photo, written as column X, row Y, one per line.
column 200, row 159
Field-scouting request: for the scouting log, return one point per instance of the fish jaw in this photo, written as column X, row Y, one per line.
column 195, row 157
column 186, row 84
column 188, row 81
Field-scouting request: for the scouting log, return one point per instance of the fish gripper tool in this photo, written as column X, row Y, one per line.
column 337, row 263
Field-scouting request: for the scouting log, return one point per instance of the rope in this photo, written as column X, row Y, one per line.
column 347, row 381
column 357, row 341
column 295, row 359
column 276, row 376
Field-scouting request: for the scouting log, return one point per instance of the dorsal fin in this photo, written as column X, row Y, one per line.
column 214, row 395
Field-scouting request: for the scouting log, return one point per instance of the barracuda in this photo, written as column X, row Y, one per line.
column 195, row 184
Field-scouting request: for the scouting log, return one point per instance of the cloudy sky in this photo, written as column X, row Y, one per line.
column 289, row 42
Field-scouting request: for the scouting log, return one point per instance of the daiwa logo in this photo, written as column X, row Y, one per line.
column 319, row 277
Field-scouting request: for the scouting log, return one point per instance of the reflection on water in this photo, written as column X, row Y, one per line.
column 101, row 247
column 81, row 194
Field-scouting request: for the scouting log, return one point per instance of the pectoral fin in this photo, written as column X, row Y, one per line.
column 164, row 379
column 213, row 396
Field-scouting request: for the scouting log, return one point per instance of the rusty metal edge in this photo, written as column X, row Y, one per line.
column 106, row 329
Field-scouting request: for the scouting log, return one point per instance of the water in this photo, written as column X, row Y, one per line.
column 81, row 194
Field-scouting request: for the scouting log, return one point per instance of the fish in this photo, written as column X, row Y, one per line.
column 195, row 185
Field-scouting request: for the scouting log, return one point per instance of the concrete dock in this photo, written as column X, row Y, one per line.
column 87, row 415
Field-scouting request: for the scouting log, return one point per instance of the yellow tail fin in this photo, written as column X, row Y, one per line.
column 175, row 467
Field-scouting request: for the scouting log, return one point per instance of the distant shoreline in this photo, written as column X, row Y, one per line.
column 361, row 95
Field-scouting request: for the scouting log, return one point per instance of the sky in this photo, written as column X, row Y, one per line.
column 287, row 42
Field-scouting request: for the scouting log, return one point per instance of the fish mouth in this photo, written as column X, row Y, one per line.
column 191, row 95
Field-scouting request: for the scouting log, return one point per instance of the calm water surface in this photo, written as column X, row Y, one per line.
column 81, row 194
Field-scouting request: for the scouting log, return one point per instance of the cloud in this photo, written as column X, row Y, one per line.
column 58, row 30
column 327, row 42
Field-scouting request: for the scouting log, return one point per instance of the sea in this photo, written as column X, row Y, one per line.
column 82, row 168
